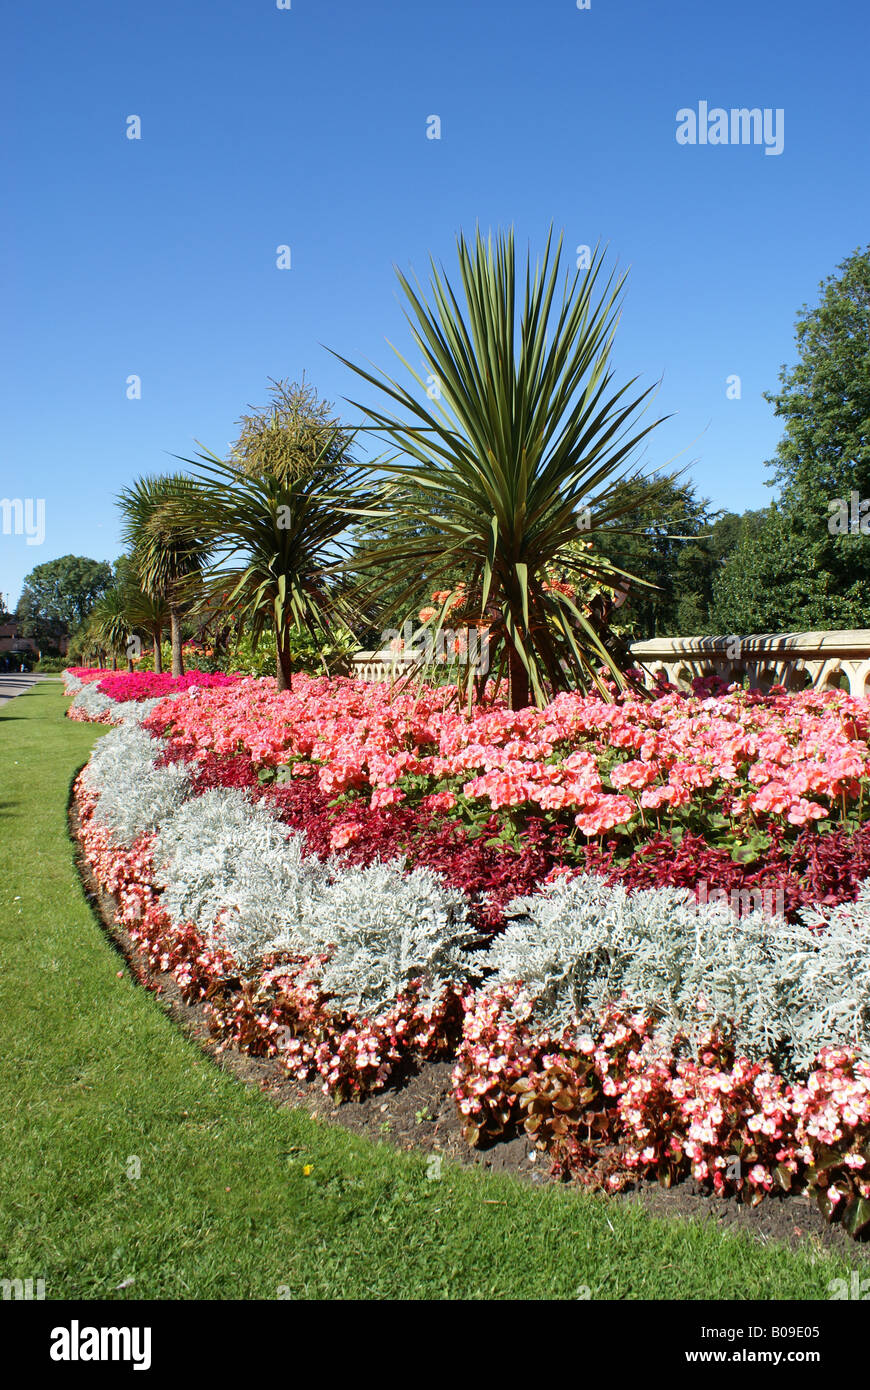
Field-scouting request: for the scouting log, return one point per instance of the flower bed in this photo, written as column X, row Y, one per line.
column 325, row 869
column 110, row 697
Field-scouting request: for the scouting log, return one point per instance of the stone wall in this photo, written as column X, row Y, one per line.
column 824, row 660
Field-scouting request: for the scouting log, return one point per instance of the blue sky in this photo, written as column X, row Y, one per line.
column 306, row 127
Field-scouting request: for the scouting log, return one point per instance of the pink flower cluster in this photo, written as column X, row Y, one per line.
column 147, row 685
column 789, row 759
column 86, row 674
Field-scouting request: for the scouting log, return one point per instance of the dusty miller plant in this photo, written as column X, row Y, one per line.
column 227, row 865
column 134, row 795
column 582, row 944
column 384, row 928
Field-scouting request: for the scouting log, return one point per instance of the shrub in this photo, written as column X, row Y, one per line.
column 582, row 945
column 91, row 706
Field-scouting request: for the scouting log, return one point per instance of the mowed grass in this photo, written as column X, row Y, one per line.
column 98, row 1084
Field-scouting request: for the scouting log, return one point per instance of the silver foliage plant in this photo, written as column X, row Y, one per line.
column 93, row 704
column 582, row 944
column 227, row 865
column 134, row 795
column 383, row 928
column 829, row 976
column 137, row 711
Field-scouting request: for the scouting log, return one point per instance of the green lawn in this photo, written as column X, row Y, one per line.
column 93, row 1075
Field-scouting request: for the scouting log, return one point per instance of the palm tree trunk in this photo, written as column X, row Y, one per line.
column 284, row 663
column 157, row 635
column 175, row 635
column 519, row 680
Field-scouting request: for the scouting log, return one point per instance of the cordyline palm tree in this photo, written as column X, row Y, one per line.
column 125, row 612
column 275, row 543
column 147, row 614
column 109, row 627
column 167, row 556
column 526, row 440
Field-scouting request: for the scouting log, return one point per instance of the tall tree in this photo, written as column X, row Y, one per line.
column 295, row 434
column 808, row 566
column 276, row 542
column 57, row 597
column 168, row 557
column 669, row 539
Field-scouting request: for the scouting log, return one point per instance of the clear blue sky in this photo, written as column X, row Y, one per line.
column 307, row 127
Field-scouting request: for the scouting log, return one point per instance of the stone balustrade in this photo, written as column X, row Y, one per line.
column 837, row 660
column 379, row 666
column 824, row 660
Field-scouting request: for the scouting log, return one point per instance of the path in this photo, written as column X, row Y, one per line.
column 18, row 682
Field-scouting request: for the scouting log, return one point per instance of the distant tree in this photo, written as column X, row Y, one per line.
column 671, row 541
column 58, row 596
column 274, row 541
column 757, row 588
column 825, row 398
column 383, row 592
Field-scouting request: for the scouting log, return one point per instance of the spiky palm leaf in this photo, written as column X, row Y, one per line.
column 167, row 556
column 275, row 543
column 529, row 432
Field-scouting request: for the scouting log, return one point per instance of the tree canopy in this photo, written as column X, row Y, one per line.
column 58, row 596
column 803, row 568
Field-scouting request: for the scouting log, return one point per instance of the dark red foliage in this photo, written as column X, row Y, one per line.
column 815, row 868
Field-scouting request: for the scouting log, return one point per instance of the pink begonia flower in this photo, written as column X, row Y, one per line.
column 344, row 835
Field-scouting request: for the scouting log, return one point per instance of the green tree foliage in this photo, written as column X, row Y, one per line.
column 384, row 593
column 675, row 542
column 275, row 544
column 793, row 573
column 167, row 556
column 57, row 597
column 292, row 435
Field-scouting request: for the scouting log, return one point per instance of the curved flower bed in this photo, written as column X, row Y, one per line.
column 324, row 868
